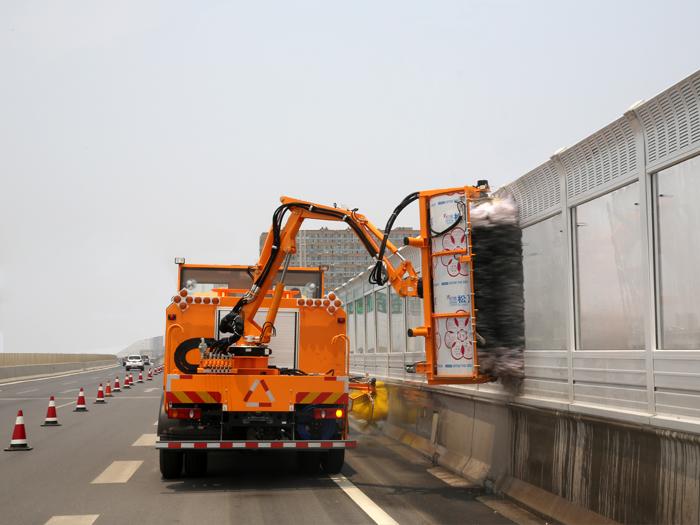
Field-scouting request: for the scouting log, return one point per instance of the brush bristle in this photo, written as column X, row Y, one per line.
column 498, row 287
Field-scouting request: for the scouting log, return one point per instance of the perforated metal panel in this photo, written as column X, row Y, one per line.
column 671, row 121
column 537, row 192
column 610, row 154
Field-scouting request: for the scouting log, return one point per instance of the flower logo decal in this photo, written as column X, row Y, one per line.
column 457, row 338
column 456, row 239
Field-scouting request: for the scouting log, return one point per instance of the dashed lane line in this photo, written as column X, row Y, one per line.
column 374, row 511
column 65, row 404
column 84, row 519
column 118, row 472
column 151, row 389
column 146, row 440
column 69, row 390
column 27, row 391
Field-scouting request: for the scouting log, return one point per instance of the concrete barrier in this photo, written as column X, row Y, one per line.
column 18, row 365
column 575, row 469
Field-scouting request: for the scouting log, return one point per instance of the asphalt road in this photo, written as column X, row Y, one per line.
column 101, row 465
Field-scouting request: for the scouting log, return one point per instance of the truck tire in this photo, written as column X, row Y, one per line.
column 309, row 462
column 332, row 461
column 195, row 464
column 170, row 464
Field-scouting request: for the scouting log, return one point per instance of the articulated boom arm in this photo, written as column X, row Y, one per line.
column 449, row 314
column 281, row 244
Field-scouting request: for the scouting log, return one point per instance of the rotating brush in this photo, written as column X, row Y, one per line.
column 498, row 289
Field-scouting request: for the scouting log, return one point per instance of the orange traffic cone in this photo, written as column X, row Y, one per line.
column 108, row 390
column 126, row 381
column 100, row 395
column 149, row 377
column 19, row 435
column 51, row 419
column 117, row 388
column 80, row 404
column 140, row 379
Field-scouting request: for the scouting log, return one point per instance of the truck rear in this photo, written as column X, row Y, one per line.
column 291, row 396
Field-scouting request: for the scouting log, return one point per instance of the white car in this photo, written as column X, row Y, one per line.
column 134, row 361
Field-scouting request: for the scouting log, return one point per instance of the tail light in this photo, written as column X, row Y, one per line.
column 329, row 413
column 185, row 413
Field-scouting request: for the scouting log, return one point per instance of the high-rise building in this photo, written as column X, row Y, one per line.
column 340, row 250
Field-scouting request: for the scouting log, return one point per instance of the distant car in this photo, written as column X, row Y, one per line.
column 134, row 361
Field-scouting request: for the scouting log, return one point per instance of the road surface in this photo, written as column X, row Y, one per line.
column 100, row 467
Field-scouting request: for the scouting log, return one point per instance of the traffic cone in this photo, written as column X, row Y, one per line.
column 100, row 395
column 19, row 435
column 149, row 377
column 131, row 379
column 117, row 388
column 80, row 404
column 140, row 379
column 51, row 419
column 126, row 381
column 108, row 390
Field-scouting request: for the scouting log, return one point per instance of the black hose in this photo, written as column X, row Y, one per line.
column 378, row 274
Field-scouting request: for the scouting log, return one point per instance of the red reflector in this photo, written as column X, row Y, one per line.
column 341, row 320
column 172, row 317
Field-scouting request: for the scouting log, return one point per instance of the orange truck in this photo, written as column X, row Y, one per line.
column 256, row 358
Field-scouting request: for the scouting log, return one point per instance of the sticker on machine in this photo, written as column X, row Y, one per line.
column 445, row 211
column 451, row 285
column 454, row 344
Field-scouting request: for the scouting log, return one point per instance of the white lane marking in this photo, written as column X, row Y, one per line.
column 58, row 376
column 155, row 423
column 146, row 440
column 69, row 382
column 69, row 390
column 65, row 404
column 448, row 477
column 374, row 511
column 85, row 519
column 27, row 391
column 151, row 389
column 118, row 472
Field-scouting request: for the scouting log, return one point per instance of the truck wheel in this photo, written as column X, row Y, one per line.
column 332, row 461
column 308, row 462
column 195, row 464
column 170, row 464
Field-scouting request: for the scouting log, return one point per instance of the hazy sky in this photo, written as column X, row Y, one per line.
column 132, row 132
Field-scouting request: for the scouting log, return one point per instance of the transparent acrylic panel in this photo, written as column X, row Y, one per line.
column 414, row 317
column 350, row 312
column 382, row 304
column 360, row 325
column 398, row 322
column 544, row 269
column 678, row 199
column 610, row 271
column 370, row 331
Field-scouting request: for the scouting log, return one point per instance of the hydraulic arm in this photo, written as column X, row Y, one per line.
column 449, row 314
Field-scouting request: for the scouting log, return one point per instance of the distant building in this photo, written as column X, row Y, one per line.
column 340, row 250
